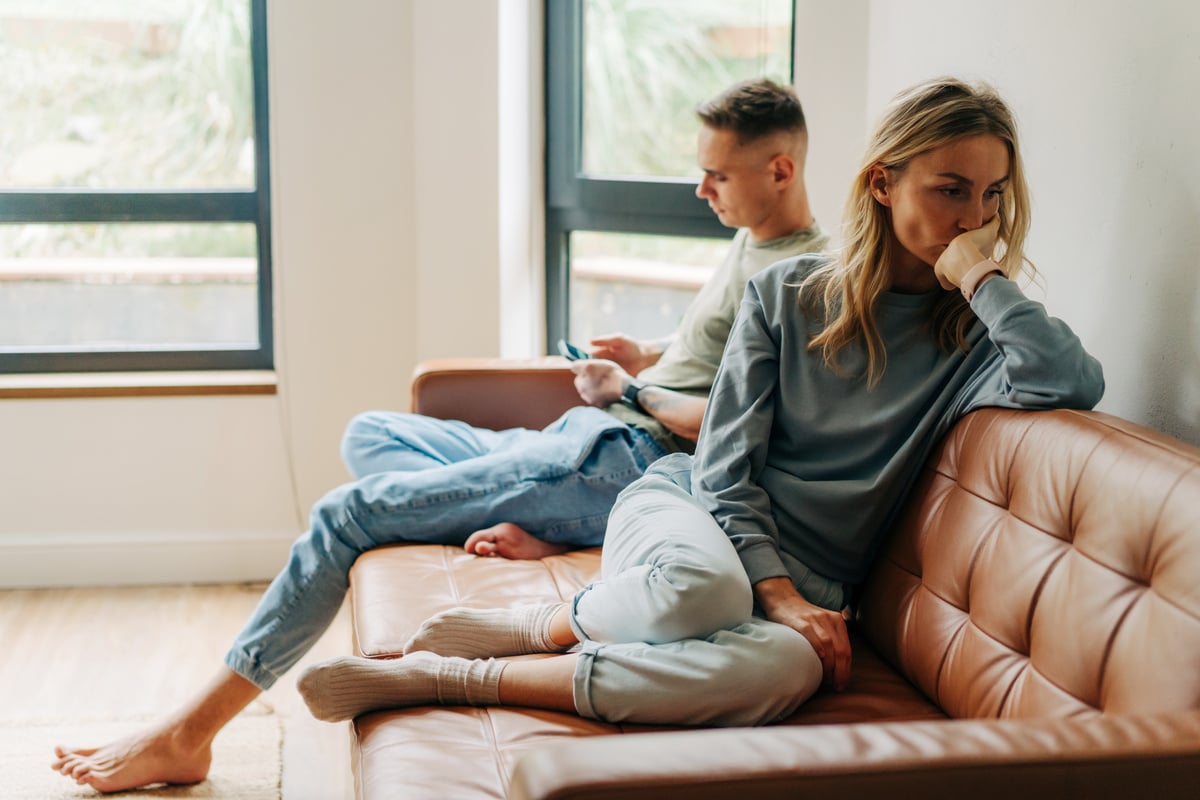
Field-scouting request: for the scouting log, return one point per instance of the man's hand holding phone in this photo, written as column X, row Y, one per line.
column 599, row 381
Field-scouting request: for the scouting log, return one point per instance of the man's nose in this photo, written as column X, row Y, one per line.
column 703, row 190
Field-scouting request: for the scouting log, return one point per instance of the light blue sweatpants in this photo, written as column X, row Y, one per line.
column 668, row 634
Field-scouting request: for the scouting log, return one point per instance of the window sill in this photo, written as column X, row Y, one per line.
column 136, row 384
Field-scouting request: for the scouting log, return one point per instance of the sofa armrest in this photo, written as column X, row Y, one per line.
column 1105, row 756
column 495, row 393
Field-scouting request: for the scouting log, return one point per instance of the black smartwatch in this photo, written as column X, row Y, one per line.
column 629, row 395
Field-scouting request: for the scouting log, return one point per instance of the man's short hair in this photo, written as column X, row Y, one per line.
column 753, row 109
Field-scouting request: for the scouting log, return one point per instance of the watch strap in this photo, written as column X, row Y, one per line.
column 629, row 395
column 975, row 276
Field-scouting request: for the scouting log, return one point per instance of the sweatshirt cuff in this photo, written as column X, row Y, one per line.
column 995, row 298
column 762, row 561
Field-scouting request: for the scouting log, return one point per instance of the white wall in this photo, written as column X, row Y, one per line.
column 403, row 134
column 1105, row 93
column 831, row 80
column 141, row 489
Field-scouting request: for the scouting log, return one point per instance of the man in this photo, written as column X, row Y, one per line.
column 524, row 493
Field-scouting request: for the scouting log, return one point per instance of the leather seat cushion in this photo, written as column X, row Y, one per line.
column 397, row 588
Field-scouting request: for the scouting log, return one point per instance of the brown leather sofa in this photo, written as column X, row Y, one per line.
column 1031, row 630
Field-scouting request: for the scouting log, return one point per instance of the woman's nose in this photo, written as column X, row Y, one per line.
column 973, row 216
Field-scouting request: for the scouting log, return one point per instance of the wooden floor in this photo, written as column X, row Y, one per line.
column 118, row 652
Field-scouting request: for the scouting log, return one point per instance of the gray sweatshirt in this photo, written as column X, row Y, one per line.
column 797, row 463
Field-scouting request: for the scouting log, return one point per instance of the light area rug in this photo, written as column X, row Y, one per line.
column 246, row 760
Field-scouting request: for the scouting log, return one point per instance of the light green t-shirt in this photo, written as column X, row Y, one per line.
column 689, row 364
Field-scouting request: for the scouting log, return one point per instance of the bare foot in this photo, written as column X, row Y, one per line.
column 507, row 540
column 154, row 756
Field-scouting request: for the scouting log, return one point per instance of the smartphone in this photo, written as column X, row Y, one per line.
column 570, row 351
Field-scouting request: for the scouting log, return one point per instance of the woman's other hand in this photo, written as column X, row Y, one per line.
column 825, row 630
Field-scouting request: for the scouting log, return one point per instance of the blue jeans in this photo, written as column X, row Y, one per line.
column 429, row 481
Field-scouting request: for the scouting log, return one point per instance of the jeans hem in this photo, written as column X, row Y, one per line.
column 244, row 666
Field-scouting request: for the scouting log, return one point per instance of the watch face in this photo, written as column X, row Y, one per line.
column 630, row 394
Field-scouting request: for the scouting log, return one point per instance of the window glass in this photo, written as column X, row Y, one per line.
column 129, row 94
column 134, row 216
column 117, row 287
column 647, row 63
column 635, row 283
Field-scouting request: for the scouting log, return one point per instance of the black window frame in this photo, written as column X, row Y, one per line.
column 576, row 201
column 57, row 206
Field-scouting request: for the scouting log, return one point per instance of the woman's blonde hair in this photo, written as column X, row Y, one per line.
column 919, row 119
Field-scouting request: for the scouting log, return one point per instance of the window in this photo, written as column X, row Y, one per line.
column 134, row 207
column 627, row 241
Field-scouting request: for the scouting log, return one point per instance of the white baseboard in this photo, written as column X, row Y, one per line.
column 107, row 559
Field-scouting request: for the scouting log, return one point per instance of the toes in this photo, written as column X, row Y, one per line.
column 67, row 752
column 66, row 765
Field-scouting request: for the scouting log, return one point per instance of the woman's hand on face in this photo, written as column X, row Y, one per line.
column 825, row 630
column 965, row 251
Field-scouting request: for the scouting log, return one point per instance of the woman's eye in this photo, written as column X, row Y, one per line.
column 994, row 194
column 952, row 191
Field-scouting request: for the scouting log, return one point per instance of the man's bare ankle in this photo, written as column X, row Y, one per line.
column 184, row 737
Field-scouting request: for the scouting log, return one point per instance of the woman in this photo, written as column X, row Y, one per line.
column 725, row 577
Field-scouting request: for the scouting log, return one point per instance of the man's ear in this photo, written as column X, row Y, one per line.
column 880, row 184
column 782, row 168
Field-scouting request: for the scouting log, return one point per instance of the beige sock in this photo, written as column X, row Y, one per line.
column 345, row 687
column 484, row 632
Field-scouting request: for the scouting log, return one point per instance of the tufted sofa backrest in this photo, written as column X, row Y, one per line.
column 1048, row 565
